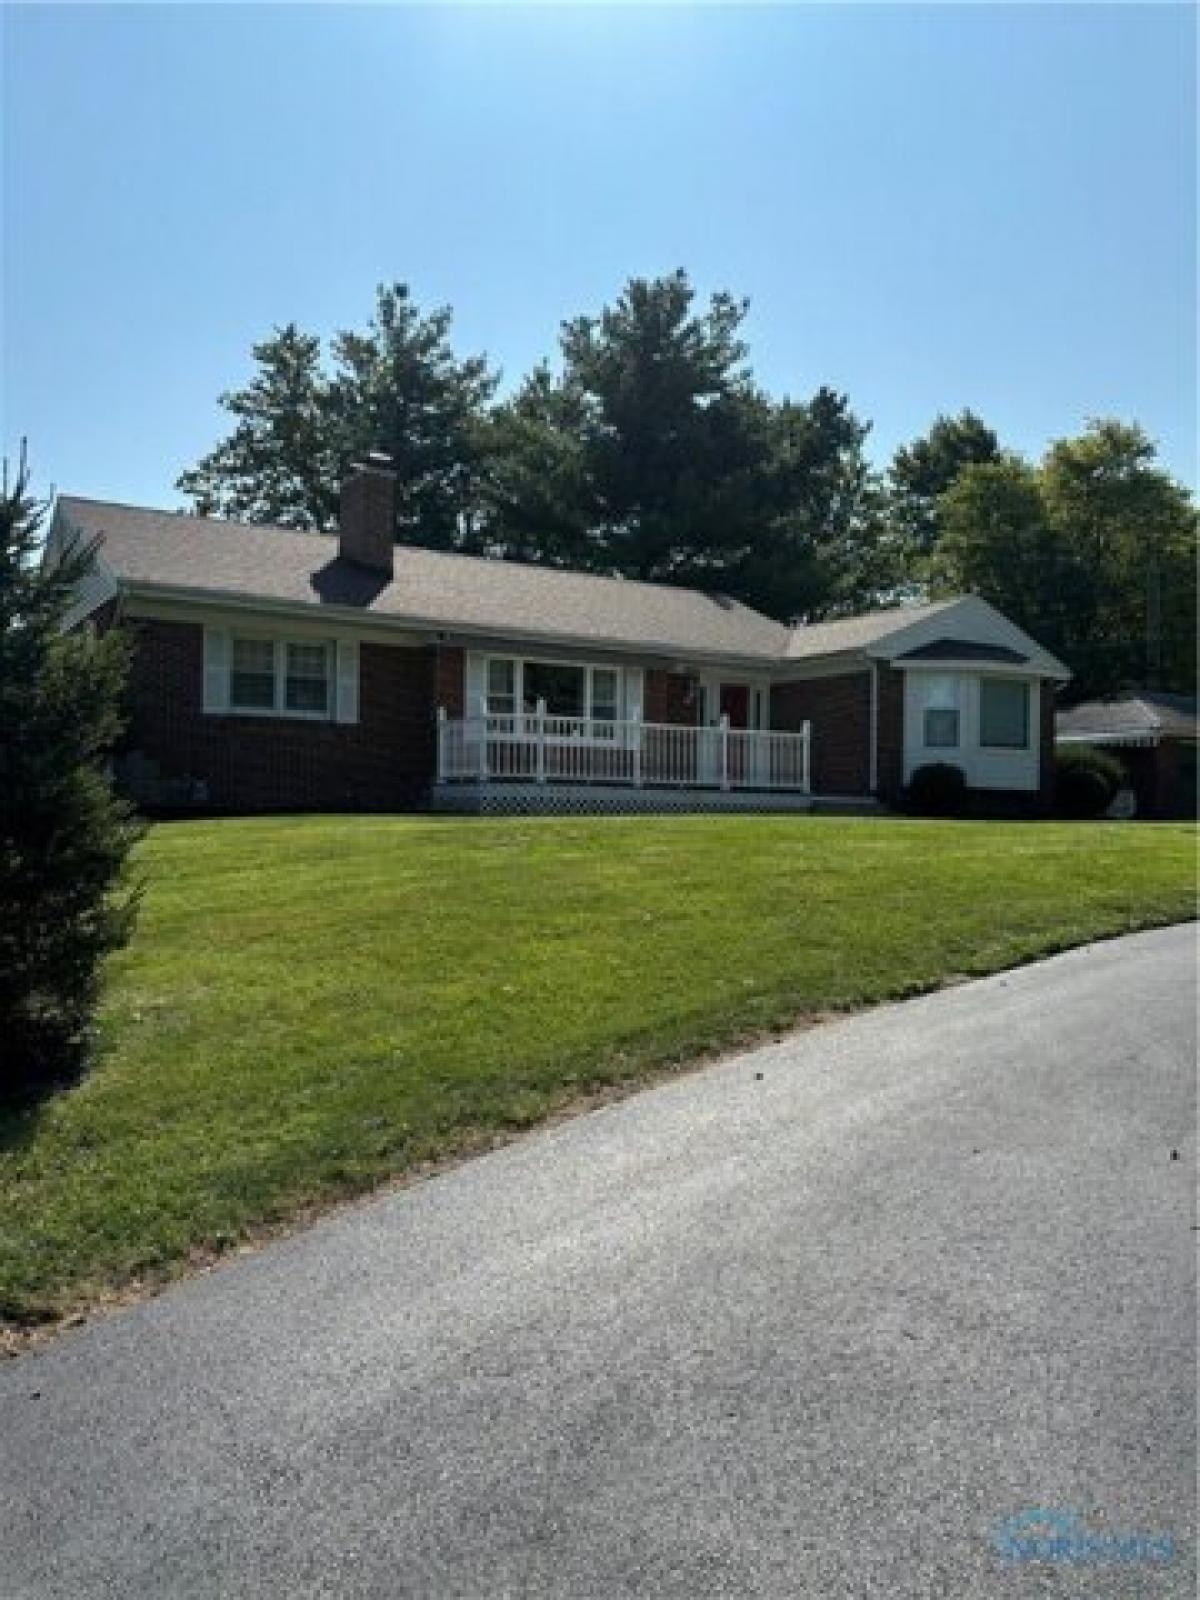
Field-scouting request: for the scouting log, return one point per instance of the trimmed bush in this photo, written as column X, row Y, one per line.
column 1085, row 780
column 937, row 790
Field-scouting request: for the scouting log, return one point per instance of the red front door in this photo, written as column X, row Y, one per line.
column 735, row 704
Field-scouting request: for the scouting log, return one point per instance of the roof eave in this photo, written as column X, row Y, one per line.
column 398, row 622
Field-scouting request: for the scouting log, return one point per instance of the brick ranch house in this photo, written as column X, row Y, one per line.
column 277, row 670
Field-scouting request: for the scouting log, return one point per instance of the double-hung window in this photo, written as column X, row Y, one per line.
column 941, row 721
column 306, row 684
column 605, row 701
column 252, row 675
column 501, row 687
column 288, row 677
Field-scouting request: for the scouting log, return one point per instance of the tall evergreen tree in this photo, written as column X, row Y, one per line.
column 280, row 463
column 826, row 548
column 398, row 387
column 924, row 469
column 655, row 455
column 537, row 502
column 671, row 431
column 64, row 837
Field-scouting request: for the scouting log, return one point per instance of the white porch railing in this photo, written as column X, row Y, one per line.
column 533, row 747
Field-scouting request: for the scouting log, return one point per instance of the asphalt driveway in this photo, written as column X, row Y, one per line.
column 819, row 1320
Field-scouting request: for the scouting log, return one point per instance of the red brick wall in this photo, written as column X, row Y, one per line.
column 839, row 712
column 665, row 698
column 382, row 762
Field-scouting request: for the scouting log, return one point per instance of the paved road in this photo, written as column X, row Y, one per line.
column 813, row 1333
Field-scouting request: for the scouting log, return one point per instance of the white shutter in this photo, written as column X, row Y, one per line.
column 634, row 679
column 216, row 669
column 347, row 680
column 475, row 684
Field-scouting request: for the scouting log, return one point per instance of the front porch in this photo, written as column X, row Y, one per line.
column 532, row 761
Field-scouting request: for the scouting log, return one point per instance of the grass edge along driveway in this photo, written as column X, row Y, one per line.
column 314, row 1005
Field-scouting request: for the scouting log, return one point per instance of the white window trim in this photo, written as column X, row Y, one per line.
column 279, row 643
column 588, row 668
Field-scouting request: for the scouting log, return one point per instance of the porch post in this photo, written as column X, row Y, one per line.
column 725, row 750
column 637, row 749
column 441, row 744
column 541, row 741
column 482, row 714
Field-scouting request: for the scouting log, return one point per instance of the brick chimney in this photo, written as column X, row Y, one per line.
column 366, row 520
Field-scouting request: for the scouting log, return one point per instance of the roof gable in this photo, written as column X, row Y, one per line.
column 969, row 620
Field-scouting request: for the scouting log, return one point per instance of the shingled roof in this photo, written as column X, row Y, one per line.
column 858, row 633
column 1143, row 715
column 210, row 559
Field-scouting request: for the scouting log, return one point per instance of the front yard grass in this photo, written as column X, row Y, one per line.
column 311, row 1005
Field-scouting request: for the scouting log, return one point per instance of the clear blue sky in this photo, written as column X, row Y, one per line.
column 929, row 207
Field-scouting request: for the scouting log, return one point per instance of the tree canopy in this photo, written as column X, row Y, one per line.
column 397, row 387
column 924, row 469
column 649, row 450
column 1093, row 552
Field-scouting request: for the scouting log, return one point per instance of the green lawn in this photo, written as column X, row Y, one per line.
column 313, row 1004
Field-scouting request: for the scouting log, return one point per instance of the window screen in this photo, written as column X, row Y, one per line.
column 604, row 694
column 252, row 681
column 307, row 687
column 941, row 728
column 1003, row 714
column 501, row 687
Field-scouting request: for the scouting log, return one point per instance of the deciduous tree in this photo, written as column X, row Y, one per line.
column 1093, row 553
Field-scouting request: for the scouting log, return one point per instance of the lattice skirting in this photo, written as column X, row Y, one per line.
column 560, row 799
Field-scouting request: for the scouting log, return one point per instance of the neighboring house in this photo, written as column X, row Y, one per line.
column 1154, row 737
column 280, row 670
